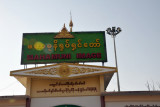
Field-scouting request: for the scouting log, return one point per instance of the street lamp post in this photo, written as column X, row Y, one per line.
column 113, row 32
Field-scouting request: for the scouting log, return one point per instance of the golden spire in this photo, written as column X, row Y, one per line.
column 71, row 23
column 64, row 33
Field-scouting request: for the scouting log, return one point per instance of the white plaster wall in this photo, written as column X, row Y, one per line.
column 123, row 104
column 84, row 101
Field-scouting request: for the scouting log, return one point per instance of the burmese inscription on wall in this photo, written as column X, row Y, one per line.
column 73, row 87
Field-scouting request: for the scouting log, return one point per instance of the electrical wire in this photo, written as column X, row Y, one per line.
column 8, row 86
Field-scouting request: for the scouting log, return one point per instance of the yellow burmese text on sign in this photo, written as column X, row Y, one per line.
column 74, row 87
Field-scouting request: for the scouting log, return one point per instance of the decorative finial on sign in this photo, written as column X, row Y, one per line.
column 64, row 33
column 71, row 23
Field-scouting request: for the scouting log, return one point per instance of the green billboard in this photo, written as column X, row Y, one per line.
column 42, row 48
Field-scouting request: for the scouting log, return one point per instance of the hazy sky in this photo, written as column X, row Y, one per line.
column 137, row 45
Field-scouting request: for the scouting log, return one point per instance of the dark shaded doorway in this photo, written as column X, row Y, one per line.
column 67, row 105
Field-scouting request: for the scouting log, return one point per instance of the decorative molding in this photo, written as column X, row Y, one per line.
column 64, row 70
column 77, row 70
column 51, row 71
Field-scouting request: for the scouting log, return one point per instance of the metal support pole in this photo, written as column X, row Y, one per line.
column 102, row 63
column 116, row 62
column 25, row 66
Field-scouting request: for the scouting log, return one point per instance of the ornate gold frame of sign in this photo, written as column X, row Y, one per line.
column 64, row 71
column 64, row 34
